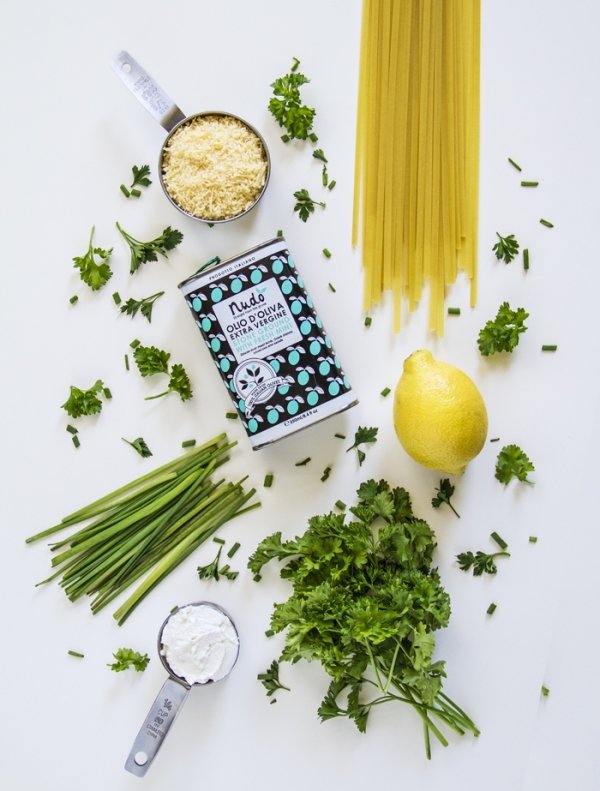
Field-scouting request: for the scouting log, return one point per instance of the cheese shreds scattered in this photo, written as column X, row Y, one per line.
column 214, row 167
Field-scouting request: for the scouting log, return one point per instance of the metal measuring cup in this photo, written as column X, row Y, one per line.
column 171, row 118
column 169, row 701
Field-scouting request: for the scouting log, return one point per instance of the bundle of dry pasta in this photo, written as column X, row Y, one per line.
column 417, row 150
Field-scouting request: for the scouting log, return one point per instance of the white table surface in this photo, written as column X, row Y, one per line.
column 70, row 134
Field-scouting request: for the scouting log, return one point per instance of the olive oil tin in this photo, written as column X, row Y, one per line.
column 268, row 342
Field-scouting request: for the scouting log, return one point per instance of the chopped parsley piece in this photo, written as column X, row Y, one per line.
column 444, row 493
column 93, row 265
column 142, row 252
column 502, row 334
column 270, row 679
column 126, row 658
column 506, row 248
column 84, row 402
column 511, row 463
column 363, row 436
column 144, row 306
column 305, row 205
column 480, row 562
column 212, row 570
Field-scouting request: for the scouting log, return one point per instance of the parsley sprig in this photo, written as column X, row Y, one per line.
column 502, row 334
column 363, row 436
column 506, row 248
column 139, row 444
column 142, row 252
column 511, row 463
column 480, row 562
column 444, row 493
column 365, row 603
column 305, row 205
column 270, row 679
column 126, row 658
column 144, row 305
column 93, row 265
column 84, row 402
column 212, row 571
column 150, row 361
column 287, row 108
column 140, row 179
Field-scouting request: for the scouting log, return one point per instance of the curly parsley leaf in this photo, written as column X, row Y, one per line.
column 150, row 360
column 126, row 658
column 139, row 444
column 502, row 334
column 93, row 265
column 511, row 463
column 506, row 248
column 305, row 205
column 144, row 306
column 480, row 562
column 444, row 493
column 362, row 436
column 142, row 252
column 84, row 402
column 287, row 108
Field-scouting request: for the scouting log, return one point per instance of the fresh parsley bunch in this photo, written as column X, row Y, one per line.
column 365, row 604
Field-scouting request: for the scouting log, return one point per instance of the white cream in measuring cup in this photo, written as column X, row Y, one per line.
column 197, row 644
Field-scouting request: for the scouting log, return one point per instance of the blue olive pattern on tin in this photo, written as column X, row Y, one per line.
column 310, row 369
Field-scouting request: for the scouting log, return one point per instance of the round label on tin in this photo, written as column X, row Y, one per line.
column 256, row 382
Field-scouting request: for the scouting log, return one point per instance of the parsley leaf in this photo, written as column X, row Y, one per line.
column 145, row 305
column 139, row 444
column 444, row 493
column 481, row 562
column 212, row 570
column 179, row 382
column 365, row 602
column 305, row 205
column 84, row 402
column 126, row 658
column 150, row 360
column 502, row 334
column 140, row 176
column 511, row 463
column 94, row 273
column 142, row 252
column 286, row 105
column 506, row 248
column 270, row 679
column 363, row 436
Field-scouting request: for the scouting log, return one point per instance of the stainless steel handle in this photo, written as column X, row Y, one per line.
column 153, row 732
column 146, row 91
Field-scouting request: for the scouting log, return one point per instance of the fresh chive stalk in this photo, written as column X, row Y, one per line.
column 326, row 473
column 146, row 528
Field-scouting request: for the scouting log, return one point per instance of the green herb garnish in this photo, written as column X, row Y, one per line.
column 491, row 609
column 140, row 179
column 514, row 164
column 547, row 223
column 74, row 299
column 533, row 539
column 444, row 493
column 151, row 360
column 326, row 253
column 305, row 205
column 511, row 463
column 318, row 154
column 499, row 540
column 126, row 658
column 480, row 562
column 545, row 692
column 286, row 105
column 530, row 183
column 502, row 334
column 93, row 265
column 385, row 392
column 268, row 481
column 144, row 306
column 368, row 321
column 332, row 287
column 142, row 252
column 84, row 402
column 506, row 248
column 304, row 462
column 326, row 473
column 188, row 443
column 549, row 347
column 526, row 259
column 139, row 444
column 76, row 654
column 363, row 436
column 270, row 679
column 116, row 298
column 454, row 311
column 212, row 570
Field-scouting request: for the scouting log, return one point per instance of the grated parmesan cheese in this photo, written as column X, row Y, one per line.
column 214, row 167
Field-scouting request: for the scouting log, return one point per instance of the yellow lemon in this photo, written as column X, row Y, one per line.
column 439, row 415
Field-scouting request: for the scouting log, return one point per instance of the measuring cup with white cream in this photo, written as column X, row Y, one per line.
column 197, row 644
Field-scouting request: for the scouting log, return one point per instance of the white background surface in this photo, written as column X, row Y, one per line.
column 70, row 134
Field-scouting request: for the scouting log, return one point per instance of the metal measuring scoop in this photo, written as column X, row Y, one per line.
column 171, row 118
column 174, row 692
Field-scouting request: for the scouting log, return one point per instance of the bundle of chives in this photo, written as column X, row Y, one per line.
column 148, row 526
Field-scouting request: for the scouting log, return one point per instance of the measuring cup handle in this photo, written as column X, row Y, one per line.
column 153, row 732
column 147, row 92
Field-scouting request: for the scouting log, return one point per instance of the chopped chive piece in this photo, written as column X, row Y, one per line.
column 124, row 190
column 76, row 653
column 116, row 298
column 324, row 176
column 303, row 463
column 368, row 321
column 533, row 539
column 218, row 540
column 495, row 439
column 499, row 540
column 136, row 193
column 268, row 481
column 231, row 415
column 295, row 64
column 331, row 184
column 107, row 393
column 312, row 137
column 332, row 287
column 74, row 299
column 269, row 633
column 454, row 311
column 173, row 609
column 545, row 691
column 548, row 347
column 530, row 183
column 326, row 253
column 76, row 441
column 126, row 362
column 385, row 392
column 72, row 430
column 547, row 223
column 233, row 549
column 326, row 473
column 279, row 233
column 134, row 343
column 526, row 259
column 340, row 436
column 490, row 610
column 210, row 224
column 514, row 164
column 188, row 443
column 340, row 505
